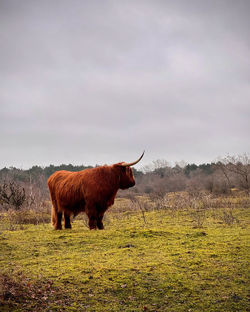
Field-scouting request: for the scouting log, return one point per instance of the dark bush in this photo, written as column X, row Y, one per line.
column 12, row 195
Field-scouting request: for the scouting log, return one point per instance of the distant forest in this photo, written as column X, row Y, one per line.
column 159, row 177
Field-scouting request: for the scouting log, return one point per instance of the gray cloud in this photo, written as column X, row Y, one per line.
column 98, row 81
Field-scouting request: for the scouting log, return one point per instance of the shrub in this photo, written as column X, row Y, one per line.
column 12, row 195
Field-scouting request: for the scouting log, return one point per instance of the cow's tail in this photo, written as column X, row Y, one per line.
column 53, row 216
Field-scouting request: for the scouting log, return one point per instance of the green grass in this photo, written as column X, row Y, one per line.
column 164, row 264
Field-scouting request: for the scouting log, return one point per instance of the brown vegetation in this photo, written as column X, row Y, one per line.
column 19, row 290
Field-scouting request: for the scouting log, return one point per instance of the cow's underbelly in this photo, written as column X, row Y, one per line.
column 72, row 208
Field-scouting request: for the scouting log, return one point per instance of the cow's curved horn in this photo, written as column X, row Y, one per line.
column 132, row 163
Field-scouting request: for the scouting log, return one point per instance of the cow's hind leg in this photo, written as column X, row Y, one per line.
column 56, row 217
column 67, row 223
column 58, row 225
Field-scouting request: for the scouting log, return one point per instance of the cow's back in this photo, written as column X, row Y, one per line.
column 64, row 184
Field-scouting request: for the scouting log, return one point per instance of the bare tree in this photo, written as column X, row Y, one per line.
column 236, row 167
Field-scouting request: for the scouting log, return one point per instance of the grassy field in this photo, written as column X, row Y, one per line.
column 158, row 261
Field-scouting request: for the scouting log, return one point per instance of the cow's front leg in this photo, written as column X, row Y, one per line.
column 92, row 222
column 58, row 224
column 99, row 221
column 67, row 223
column 91, row 212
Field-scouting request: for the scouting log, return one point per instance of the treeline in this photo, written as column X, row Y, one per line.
column 36, row 171
column 219, row 177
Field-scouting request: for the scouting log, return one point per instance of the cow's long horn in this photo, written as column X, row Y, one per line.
column 132, row 163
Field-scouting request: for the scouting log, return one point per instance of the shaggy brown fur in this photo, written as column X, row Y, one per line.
column 90, row 190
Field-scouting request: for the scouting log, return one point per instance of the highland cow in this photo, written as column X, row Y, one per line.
column 91, row 191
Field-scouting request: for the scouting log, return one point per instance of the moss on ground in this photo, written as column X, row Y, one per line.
column 164, row 264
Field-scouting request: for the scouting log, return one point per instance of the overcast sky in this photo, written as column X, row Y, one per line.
column 93, row 82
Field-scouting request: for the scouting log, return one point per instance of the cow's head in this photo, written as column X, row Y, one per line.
column 126, row 175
